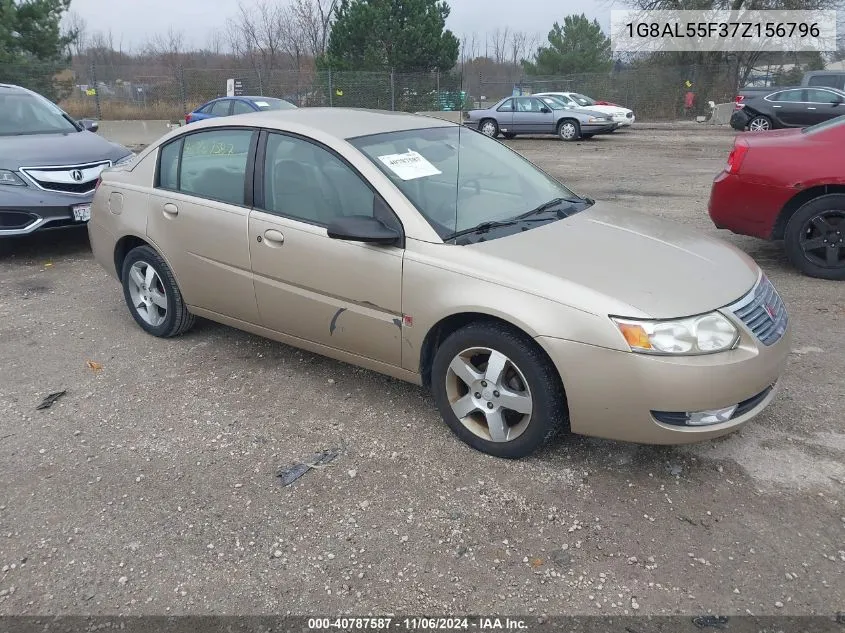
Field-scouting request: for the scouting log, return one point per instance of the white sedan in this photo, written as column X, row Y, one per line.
column 623, row 116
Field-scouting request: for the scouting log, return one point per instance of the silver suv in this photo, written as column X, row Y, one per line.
column 49, row 163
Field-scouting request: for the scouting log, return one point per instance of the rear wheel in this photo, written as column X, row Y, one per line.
column 489, row 127
column 760, row 123
column 569, row 130
column 152, row 295
column 497, row 390
column 815, row 237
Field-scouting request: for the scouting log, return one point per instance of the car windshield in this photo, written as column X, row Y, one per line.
column 582, row 100
column 265, row 103
column 824, row 125
column 460, row 181
column 23, row 113
column 553, row 102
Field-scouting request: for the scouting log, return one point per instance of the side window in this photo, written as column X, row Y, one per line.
column 306, row 182
column 507, row 106
column 220, row 108
column 241, row 107
column 821, row 96
column 793, row 96
column 214, row 164
column 168, row 165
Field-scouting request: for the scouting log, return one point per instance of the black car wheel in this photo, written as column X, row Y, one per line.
column 152, row 295
column 760, row 123
column 569, row 130
column 815, row 238
column 497, row 390
column 489, row 127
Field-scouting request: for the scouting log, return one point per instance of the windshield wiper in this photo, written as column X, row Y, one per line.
column 551, row 204
column 493, row 224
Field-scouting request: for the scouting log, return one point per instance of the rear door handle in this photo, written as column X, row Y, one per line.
column 170, row 209
column 273, row 238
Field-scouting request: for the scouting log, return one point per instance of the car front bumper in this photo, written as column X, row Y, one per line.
column 616, row 395
column 624, row 120
column 603, row 128
column 24, row 210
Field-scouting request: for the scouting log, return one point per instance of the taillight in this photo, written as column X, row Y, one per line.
column 187, row 119
column 736, row 157
column 738, row 102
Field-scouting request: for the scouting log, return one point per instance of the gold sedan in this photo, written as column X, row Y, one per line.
column 426, row 251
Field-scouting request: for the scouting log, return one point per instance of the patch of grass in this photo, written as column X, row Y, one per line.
column 81, row 108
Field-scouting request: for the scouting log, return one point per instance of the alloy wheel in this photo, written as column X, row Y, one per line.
column 822, row 239
column 760, row 124
column 488, row 393
column 147, row 292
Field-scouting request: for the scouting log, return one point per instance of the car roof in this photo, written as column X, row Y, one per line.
column 14, row 88
column 342, row 123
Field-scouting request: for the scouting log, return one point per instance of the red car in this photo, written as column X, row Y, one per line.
column 788, row 185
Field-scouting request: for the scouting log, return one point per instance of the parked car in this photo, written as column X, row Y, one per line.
column 436, row 255
column 824, row 79
column 228, row 106
column 623, row 116
column 773, row 108
column 49, row 163
column 788, row 185
column 532, row 115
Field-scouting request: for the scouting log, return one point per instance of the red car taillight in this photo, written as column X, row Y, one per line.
column 736, row 157
column 738, row 102
column 187, row 119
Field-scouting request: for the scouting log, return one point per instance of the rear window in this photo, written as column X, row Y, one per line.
column 826, row 125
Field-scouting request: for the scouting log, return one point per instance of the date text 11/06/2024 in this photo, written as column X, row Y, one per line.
column 418, row 624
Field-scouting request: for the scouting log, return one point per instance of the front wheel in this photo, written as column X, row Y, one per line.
column 497, row 390
column 569, row 130
column 815, row 238
column 760, row 123
column 489, row 127
column 151, row 293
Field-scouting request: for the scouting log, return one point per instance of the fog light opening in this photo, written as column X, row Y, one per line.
column 713, row 416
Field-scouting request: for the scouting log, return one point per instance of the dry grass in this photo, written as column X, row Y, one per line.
column 122, row 111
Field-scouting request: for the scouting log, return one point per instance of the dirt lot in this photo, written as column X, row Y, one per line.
column 150, row 487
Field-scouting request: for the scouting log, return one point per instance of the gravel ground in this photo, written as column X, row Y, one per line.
column 150, row 487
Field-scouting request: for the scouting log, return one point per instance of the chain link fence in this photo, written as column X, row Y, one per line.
column 162, row 91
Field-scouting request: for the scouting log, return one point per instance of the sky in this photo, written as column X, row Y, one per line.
column 134, row 22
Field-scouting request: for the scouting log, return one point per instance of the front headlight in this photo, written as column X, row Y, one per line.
column 703, row 334
column 597, row 119
column 10, row 178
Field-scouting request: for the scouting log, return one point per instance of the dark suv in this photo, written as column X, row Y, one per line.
column 49, row 163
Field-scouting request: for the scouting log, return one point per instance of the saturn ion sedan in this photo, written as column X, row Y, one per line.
column 432, row 253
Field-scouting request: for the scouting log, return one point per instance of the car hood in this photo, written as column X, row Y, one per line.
column 607, row 109
column 610, row 258
column 36, row 150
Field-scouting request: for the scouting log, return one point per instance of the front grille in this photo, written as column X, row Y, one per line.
column 763, row 312
column 73, row 179
column 629, row 115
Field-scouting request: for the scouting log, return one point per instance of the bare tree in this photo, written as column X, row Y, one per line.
column 469, row 48
column 500, row 45
column 168, row 48
column 313, row 19
column 517, row 47
column 77, row 27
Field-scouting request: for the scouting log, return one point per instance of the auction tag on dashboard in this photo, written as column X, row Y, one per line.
column 81, row 212
column 409, row 165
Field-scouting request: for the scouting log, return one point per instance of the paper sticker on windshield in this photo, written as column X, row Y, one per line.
column 262, row 104
column 409, row 165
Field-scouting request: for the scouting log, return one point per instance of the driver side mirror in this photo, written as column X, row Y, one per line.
column 839, row 99
column 545, row 110
column 89, row 124
column 362, row 228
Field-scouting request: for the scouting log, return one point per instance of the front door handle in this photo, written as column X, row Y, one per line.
column 273, row 238
column 170, row 209
column 810, row 108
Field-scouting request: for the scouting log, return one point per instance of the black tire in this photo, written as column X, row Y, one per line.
column 495, row 127
column 759, row 123
column 820, row 219
column 569, row 130
column 509, row 135
column 548, row 414
column 176, row 320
